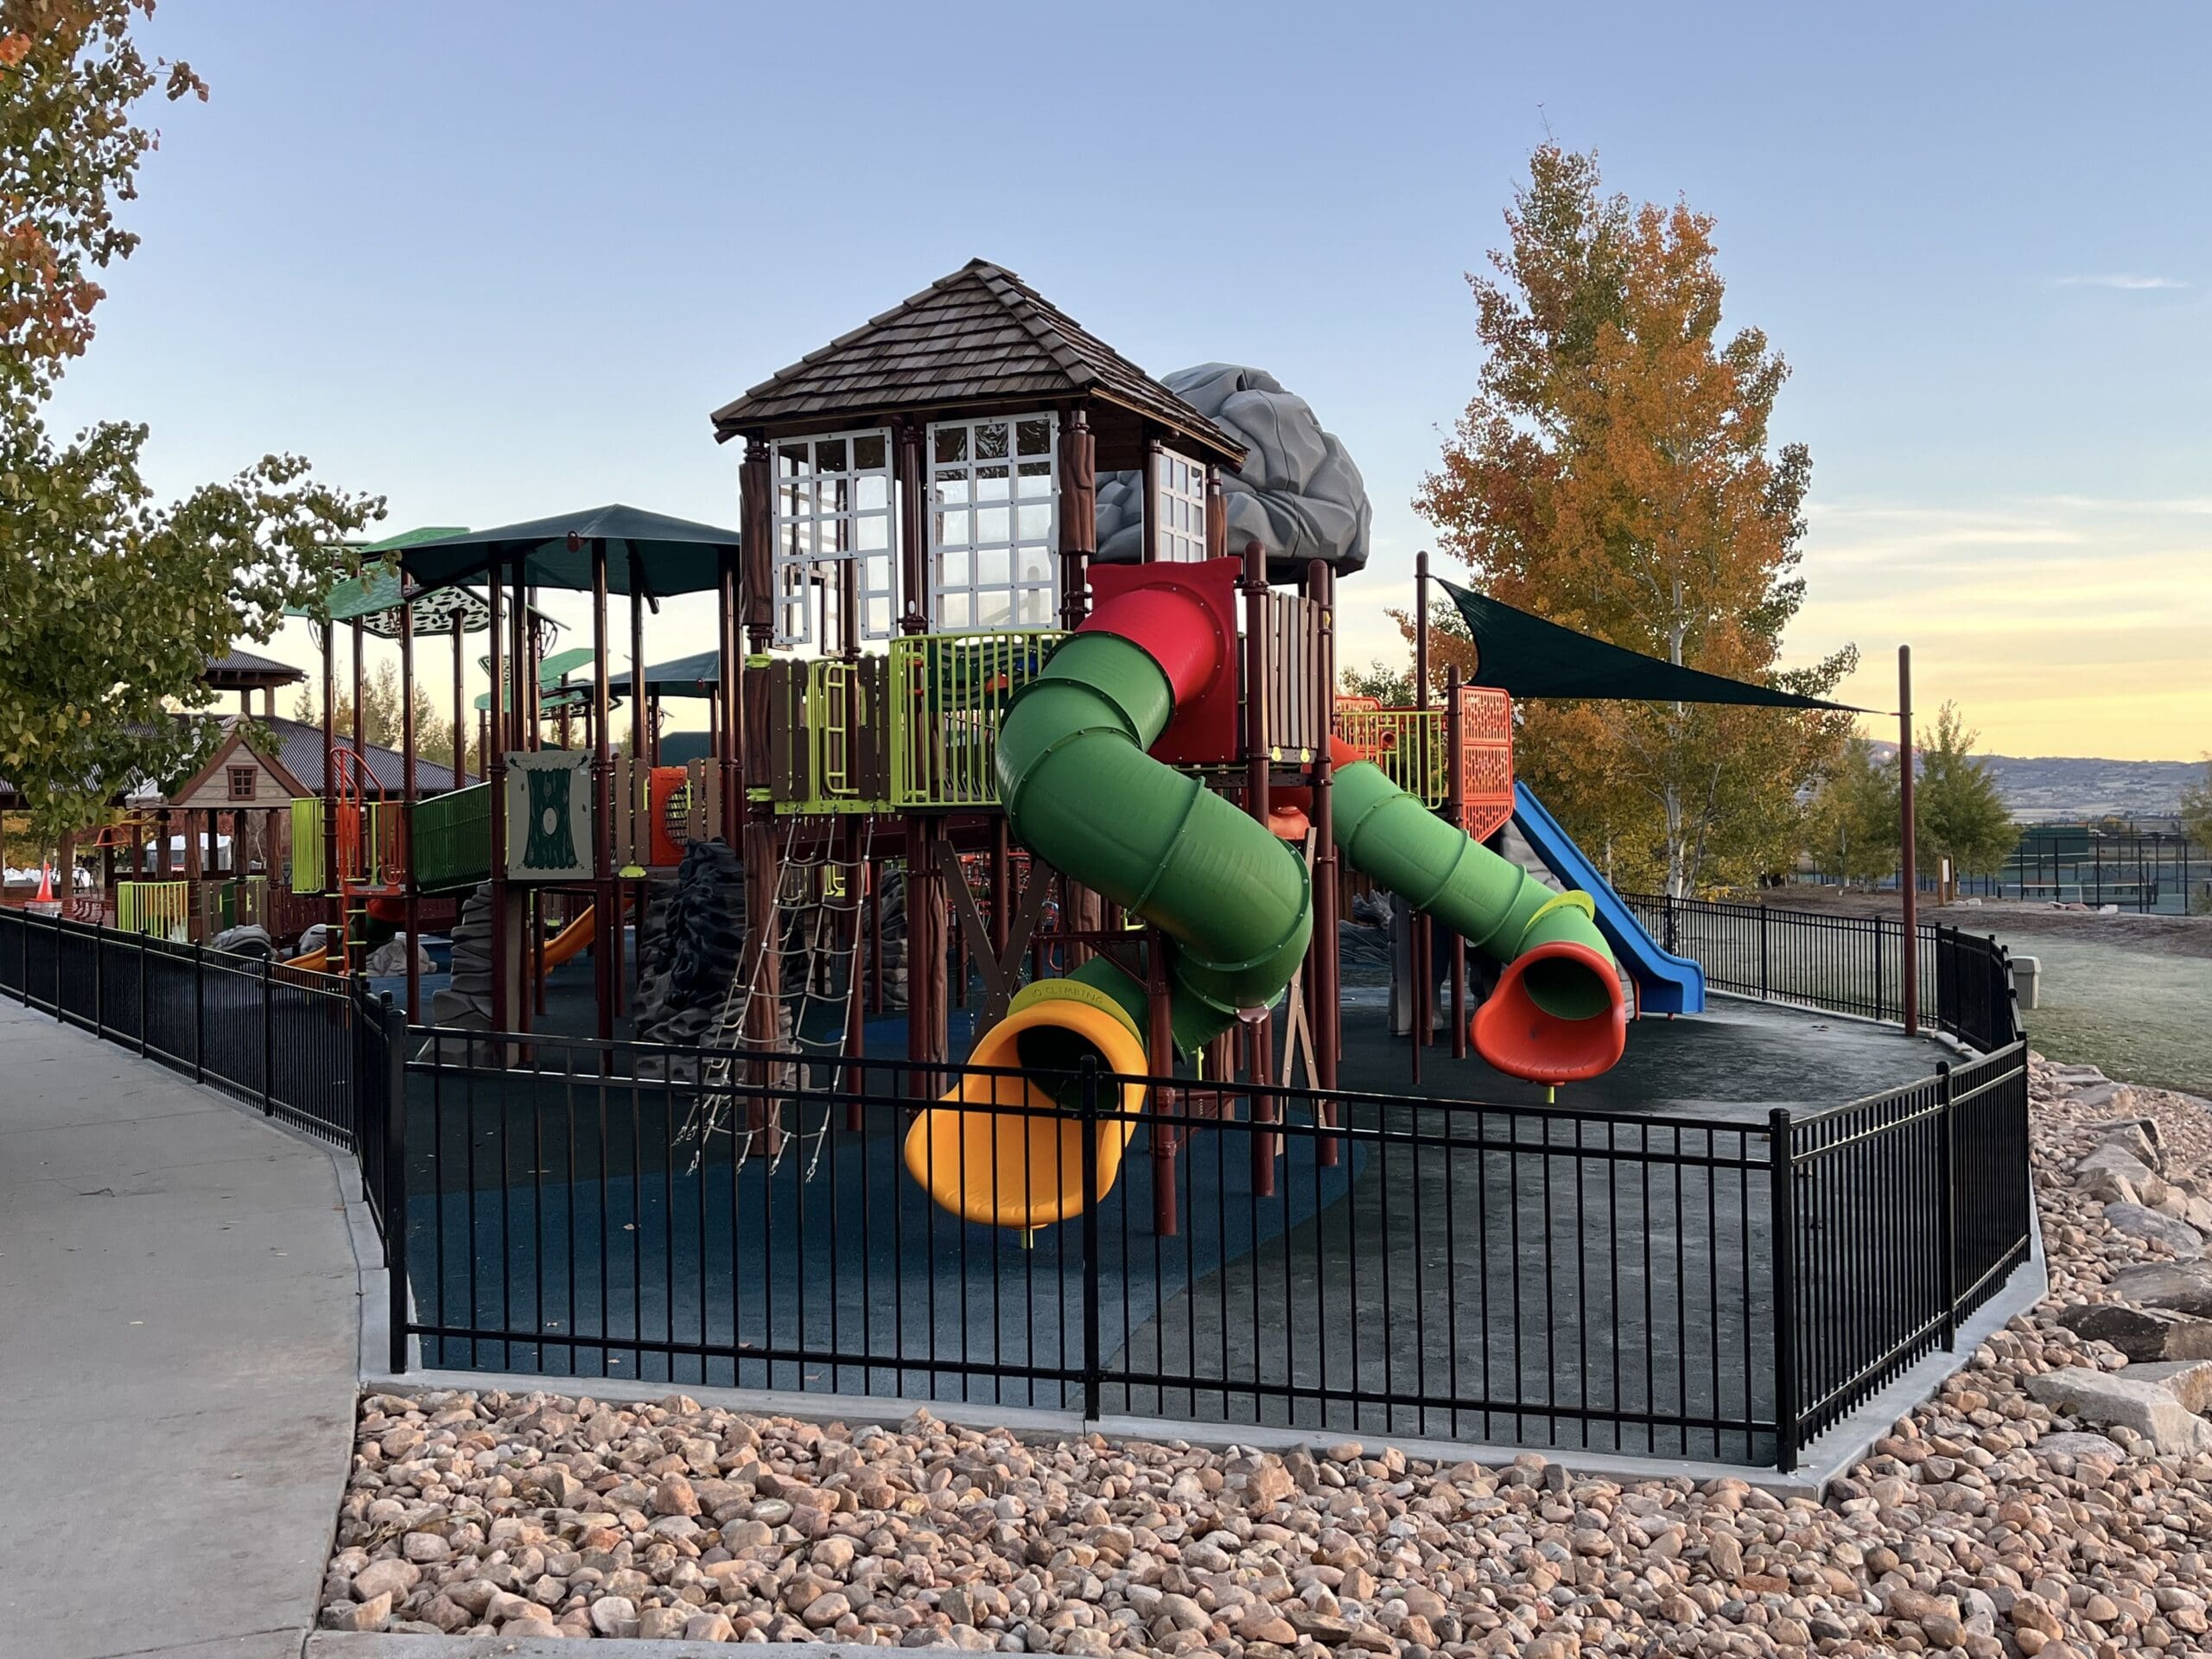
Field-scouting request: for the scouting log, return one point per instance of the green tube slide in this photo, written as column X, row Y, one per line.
column 1497, row 906
column 1082, row 794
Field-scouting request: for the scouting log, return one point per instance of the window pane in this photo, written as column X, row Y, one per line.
column 994, row 525
column 959, row 611
column 829, row 456
column 873, row 533
column 1035, row 437
column 993, row 568
column 1033, row 523
column 991, row 484
column 871, row 494
column 951, row 443
column 990, row 439
column 1036, row 478
column 1033, row 564
column 870, row 450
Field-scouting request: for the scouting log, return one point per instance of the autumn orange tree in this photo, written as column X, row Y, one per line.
column 1615, row 473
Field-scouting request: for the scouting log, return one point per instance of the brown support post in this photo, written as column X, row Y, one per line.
column 1257, row 760
column 602, row 778
column 333, row 902
column 162, row 846
column 523, row 676
column 360, row 702
column 1418, row 957
column 1079, row 516
column 849, row 826
column 412, row 900
column 1160, row 1056
column 756, row 525
column 461, row 709
column 1455, row 741
column 1328, row 1032
column 640, row 791
column 925, row 951
column 495, row 752
column 1218, row 522
column 729, row 715
column 1909, row 877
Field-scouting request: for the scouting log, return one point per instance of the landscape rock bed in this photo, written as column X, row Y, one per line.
column 2054, row 1500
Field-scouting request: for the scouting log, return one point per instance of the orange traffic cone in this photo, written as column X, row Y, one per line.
column 45, row 895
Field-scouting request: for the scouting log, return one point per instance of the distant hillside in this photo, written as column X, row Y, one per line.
column 2047, row 788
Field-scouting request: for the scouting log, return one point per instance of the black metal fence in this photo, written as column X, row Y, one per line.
column 1696, row 1285
column 304, row 1047
column 1844, row 964
column 1896, row 1217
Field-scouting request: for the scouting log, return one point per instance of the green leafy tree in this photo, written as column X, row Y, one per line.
column 111, row 602
column 1615, row 473
column 1391, row 686
column 2196, row 809
column 1853, row 824
column 1957, row 811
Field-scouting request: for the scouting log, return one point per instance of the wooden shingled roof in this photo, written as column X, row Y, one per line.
column 980, row 337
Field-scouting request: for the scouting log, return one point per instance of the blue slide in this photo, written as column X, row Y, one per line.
column 1665, row 984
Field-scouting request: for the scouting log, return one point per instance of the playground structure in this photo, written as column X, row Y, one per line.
column 1112, row 810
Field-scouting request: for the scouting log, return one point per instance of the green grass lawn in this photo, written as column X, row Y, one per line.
column 2140, row 1016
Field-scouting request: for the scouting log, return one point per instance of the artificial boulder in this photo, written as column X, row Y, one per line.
column 1299, row 494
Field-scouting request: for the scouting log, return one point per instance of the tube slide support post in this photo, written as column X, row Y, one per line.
column 1160, row 1049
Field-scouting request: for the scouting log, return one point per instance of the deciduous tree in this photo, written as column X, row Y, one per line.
column 1615, row 473
column 1957, row 811
column 110, row 602
column 1853, row 824
column 380, row 720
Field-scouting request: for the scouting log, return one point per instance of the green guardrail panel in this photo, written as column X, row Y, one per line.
column 451, row 839
column 946, row 694
column 307, row 845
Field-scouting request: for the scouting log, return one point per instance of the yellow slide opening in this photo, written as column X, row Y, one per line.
column 1003, row 1152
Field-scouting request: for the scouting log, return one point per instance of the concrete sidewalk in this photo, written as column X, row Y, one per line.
column 179, row 1345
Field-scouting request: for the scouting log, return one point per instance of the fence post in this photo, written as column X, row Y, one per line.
column 268, row 1031
column 1946, row 1205
column 1766, row 990
column 198, row 1013
column 100, row 980
column 142, row 996
column 1091, row 1367
column 391, row 1202
column 1782, row 1226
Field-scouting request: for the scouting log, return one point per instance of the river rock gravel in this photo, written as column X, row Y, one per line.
column 2021, row 1511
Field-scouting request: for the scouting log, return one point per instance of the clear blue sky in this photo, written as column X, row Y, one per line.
column 497, row 260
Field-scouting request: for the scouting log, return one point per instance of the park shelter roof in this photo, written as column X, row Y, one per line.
column 979, row 336
column 236, row 670
column 1521, row 654
column 696, row 676
column 668, row 555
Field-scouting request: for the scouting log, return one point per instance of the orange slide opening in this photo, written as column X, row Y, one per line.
column 1542, row 1023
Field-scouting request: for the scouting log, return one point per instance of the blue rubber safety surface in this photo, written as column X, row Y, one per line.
column 827, row 1268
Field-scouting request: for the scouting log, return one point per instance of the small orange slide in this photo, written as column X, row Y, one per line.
column 569, row 940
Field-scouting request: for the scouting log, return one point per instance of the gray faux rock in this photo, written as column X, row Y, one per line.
column 2137, row 1222
column 2117, row 1401
column 2142, row 1333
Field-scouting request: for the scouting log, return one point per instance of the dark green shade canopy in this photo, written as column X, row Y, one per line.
column 662, row 556
column 1529, row 657
column 696, row 676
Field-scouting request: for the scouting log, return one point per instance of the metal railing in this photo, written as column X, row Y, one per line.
column 1678, row 1286
column 1842, row 965
column 283, row 1039
column 1895, row 1217
column 947, row 693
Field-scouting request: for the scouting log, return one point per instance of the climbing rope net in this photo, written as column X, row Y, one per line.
column 799, row 967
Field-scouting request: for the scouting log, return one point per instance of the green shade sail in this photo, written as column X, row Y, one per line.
column 657, row 554
column 551, row 671
column 1520, row 653
column 696, row 676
